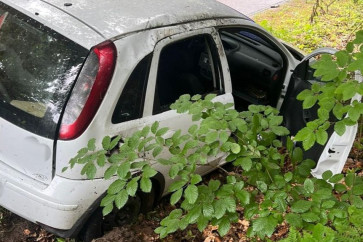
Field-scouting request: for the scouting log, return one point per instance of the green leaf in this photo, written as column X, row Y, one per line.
column 208, row 209
column 294, row 220
column 174, row 170
column 281, row 204
column 106, row 142
column 107, row 209
column 262, row 186
column 288, row 176
column 265, row 225
column 309, row 141
column 310, row 217
column 235, row 148
column 91, row 144
column 114, row 142
column 91, row 170
column 202, row 223
column 342, row 58
column 301, row 206
column 219, row 209
column 110, row 171
column 121, row 199
column 297, row 155
column 336, row 178
column 214, row 185
column 175, row 197
column 224, row 227
column 223, row 136
column 230, row 204
column 191, row 194
column 279, row 130
column 321, row 136
column 244, row 162
column 193, row 129
column 123, row 169
column 131, row 187
column 101, row 160
column 148, row 171
column 358, row 189
column 304, row 94
column 309, row 186
column 108, row 199
column 196, row 97
column 349, row 179
column 145, row 131
column 145, row 184
column 195, row 179
column 309, row 102
column 327, row 174
column 116, row 186
column 328, row 204
column 340, row 187
column 211, row 137
column 162, row 131
column 209, row 97
column 157, row 150
column 154, row 127
column 177, row 185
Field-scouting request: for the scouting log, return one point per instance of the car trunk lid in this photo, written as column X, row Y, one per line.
column 38, row 68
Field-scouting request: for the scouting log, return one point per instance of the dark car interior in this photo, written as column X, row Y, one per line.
column 257, row 68
column 185, row 67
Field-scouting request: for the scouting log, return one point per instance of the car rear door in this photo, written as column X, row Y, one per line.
column 186, row 63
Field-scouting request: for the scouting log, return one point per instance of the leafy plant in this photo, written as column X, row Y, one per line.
column 337, row 95
column 271, row 186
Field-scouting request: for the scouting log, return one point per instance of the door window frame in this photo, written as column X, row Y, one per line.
column 225, row 82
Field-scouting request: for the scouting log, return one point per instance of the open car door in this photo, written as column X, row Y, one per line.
column 333, row 155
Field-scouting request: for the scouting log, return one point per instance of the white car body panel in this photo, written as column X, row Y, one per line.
column 42, row 193
column 26, row 152
column 117, row 17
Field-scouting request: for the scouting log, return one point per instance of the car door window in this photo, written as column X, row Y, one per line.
column 256, row 66
column 188, row 66
column 131, row 103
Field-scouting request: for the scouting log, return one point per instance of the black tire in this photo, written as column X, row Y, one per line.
column 93, row 228
column 97, row 225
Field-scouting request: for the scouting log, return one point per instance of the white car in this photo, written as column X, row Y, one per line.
column 75, row 70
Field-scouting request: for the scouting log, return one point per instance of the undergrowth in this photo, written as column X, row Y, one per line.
column 291, row 23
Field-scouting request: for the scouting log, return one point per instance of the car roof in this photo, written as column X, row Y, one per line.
column 111, row 18
column 89, row 22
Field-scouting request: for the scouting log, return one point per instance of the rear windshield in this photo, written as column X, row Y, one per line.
column 37, row 70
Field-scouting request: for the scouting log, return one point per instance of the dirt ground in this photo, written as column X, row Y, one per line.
column 15, row 229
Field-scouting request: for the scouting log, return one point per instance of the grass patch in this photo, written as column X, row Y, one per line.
column 291, row 23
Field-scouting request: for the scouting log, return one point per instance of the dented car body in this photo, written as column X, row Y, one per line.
column 87, row 69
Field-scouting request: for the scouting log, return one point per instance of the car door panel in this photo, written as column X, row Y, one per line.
column 331, row 156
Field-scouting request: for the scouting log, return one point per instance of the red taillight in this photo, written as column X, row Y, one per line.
column 88, row 91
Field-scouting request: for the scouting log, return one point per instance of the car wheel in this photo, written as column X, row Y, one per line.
column 97, row 225
column 93, row 227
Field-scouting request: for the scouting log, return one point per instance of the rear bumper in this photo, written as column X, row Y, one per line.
column 62, row 205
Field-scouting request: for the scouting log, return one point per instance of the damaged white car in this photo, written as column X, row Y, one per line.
column 75, row 70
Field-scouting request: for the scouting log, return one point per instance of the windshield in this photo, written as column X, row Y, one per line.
column 37, row 70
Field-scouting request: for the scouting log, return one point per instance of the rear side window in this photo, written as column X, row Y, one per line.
column 131, row 103
column 37, row 70
column 188, row 66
